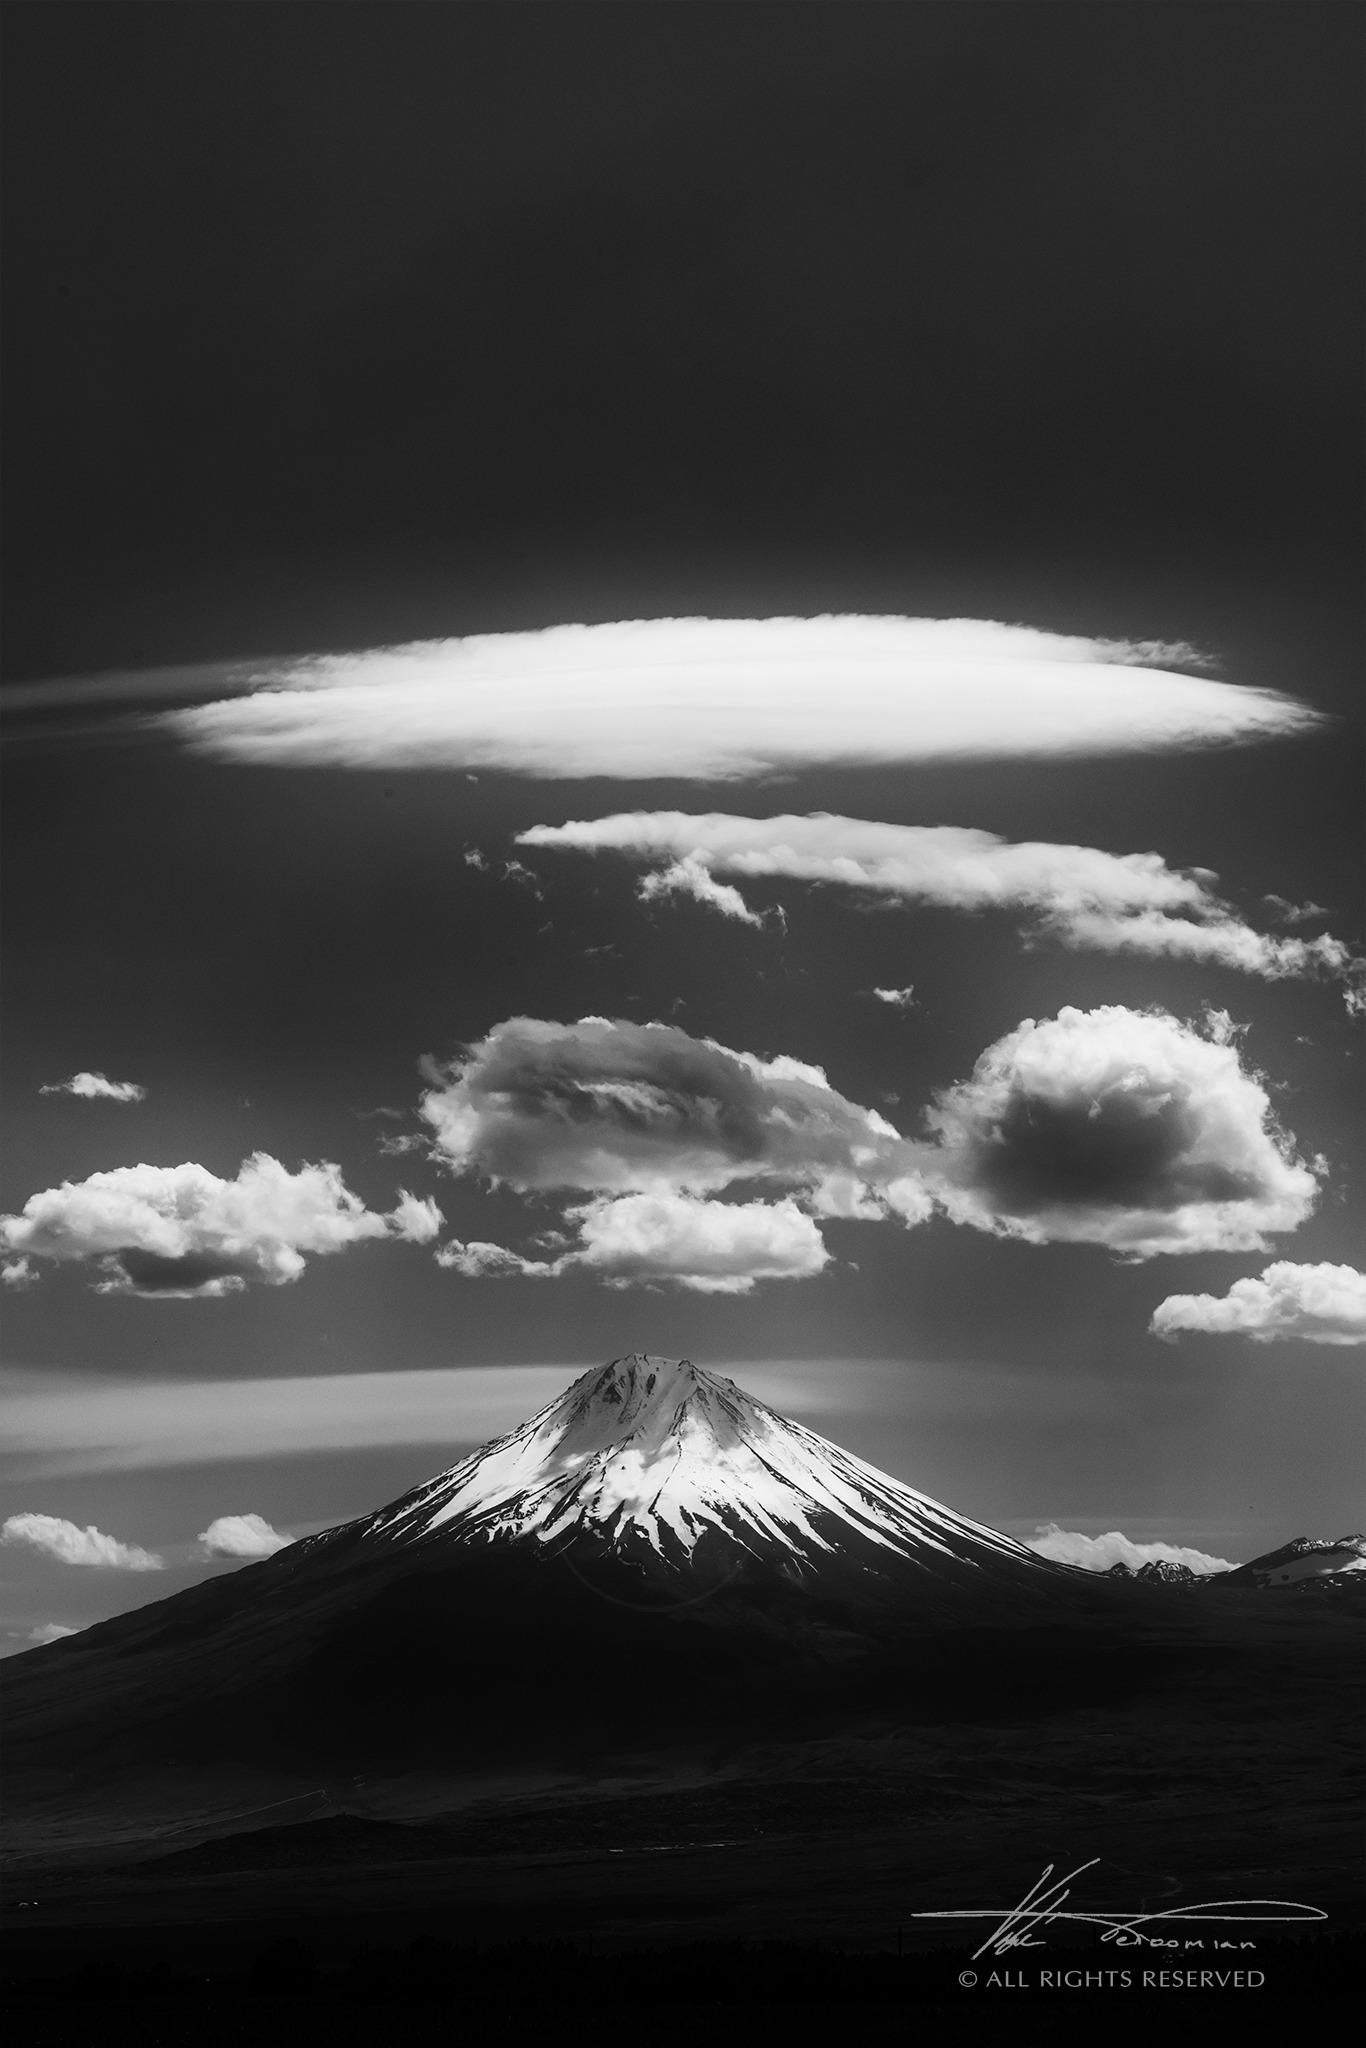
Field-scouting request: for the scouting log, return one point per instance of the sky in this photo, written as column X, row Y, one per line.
column 679, row 679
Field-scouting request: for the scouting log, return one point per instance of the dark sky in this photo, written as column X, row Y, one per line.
column 332, row 325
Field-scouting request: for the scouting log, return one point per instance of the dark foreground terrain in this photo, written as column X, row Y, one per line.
column 737, row 1881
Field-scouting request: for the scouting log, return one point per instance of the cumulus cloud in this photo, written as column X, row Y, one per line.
column 96, row 1088
column 717, row 699
column 711, row 1247
column 634, row 1240
column 18, row 1272
column 1076, row 895
column 1316, row 1304
column 69, row 1544
column 1100, row 1553
column 607, row 1108
column 896, row 998
column 51, row 1632
column 650, row 1122
column 242, row 1536
column 1122, row 1128
column 1117, row 1127
column 182, row 1233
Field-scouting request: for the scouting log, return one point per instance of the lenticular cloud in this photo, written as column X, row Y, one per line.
column 1078, row 895
column 721, row 699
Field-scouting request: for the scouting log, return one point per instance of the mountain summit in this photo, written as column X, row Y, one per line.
column 654, row 1555
column 1306, row 1561
column 655, row 1462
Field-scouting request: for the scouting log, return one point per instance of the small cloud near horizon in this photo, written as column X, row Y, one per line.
column 67, row 1543
column 96, row 1088
column 241, row 1536
column 14, row 1641
column 1101, row 1553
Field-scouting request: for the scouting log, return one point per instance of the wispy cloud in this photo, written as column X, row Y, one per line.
column 503, row 870
column 1320, row 1304
column 1078, row 896
column 67, row 1543
column 96, row 1088
column 691, row 877
column 1295, row 913
column 66, row 1423
column 717, row 699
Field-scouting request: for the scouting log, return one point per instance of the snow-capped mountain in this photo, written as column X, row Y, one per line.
column 1157, row 1572
column 653, row 1557
column 655, row 1462
column 1303, row 1561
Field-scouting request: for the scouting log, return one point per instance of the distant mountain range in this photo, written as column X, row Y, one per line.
column 1306, row 1562
column 1157, row 1572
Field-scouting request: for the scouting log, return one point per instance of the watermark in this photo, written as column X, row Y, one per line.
column 1044, row 1904
column 1112, row 1980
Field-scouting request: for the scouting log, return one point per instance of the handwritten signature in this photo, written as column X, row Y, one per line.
column 1043, row 1904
